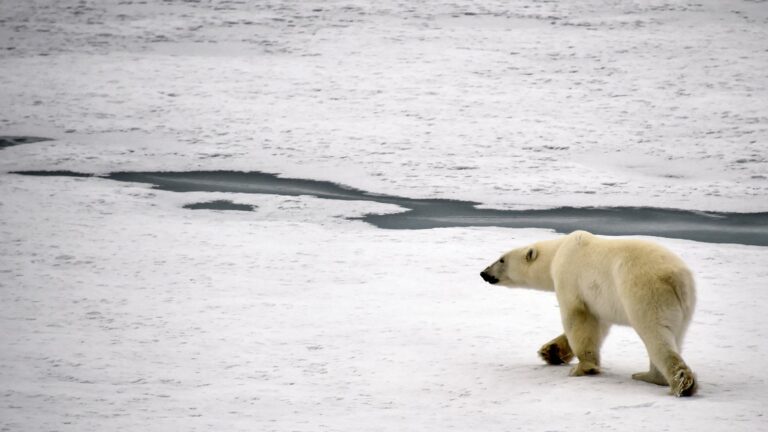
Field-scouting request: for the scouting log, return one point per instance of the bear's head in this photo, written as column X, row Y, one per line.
column 513, row 269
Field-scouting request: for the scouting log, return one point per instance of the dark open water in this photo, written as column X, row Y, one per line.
column 715, row 227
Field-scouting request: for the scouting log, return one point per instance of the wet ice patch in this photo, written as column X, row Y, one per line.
column 12, row 140
column 220, row 205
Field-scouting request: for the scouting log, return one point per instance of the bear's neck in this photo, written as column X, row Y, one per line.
column 540, row 273
column 541, row 279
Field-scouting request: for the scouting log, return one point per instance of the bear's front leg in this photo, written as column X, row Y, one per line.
column 557, row 351
column 585, row 334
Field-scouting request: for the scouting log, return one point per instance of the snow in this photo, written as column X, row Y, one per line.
column 645, row 103
column 120, row 309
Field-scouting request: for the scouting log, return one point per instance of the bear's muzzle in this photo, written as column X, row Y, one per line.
column 489, row 278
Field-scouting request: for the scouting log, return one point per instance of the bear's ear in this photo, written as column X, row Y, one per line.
column 531, row 254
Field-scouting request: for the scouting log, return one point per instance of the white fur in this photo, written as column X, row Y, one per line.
column 600, row 282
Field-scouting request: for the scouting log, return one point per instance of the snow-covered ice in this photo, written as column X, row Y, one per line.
column 634, row 103
column 120, row 309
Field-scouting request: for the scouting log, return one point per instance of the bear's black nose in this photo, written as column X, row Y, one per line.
column 488, row 278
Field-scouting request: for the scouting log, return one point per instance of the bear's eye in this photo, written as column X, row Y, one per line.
column 501, row 260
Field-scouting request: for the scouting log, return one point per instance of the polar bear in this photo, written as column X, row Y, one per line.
column 600, row 282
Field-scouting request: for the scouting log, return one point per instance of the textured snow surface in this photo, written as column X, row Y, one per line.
column 510, row 103
column 120, row 310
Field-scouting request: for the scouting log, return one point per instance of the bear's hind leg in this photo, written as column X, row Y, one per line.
column 557, row 351
column 653, row 376
column 662, row 349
